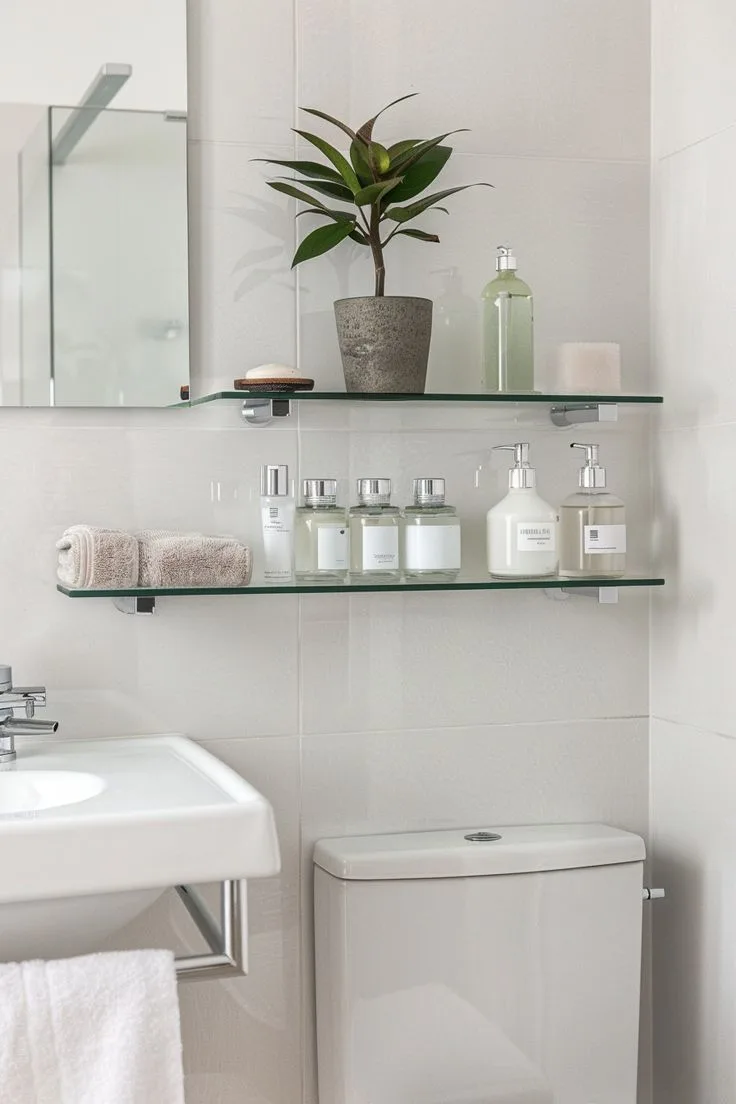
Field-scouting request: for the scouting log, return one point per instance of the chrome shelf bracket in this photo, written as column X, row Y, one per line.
column 227, row 940
column 261, row 412
column 578, row 413
column 605, row 596
column 132, row 605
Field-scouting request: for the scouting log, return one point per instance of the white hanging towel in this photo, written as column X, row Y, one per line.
column 101, row 1029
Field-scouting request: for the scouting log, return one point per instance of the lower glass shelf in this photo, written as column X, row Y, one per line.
column 461, row 583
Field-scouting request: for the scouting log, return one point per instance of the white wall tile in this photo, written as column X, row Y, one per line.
column 580, row 231
column 694, row 841
column 241, row 287
column 241, row 1037
column 693, row 616
column 694, row 80
column 693, row 228
column 563, row 78
column 241, row 70
column 478, row 777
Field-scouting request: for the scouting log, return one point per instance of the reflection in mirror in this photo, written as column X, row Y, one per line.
column 93, row 203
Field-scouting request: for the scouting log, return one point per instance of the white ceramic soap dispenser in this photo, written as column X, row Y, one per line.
column 522, row 528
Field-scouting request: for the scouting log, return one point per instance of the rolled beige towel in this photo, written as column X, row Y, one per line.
column 169, row 559
column 93, row 558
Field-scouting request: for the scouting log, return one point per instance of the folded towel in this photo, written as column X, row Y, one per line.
column 97, row 559
column 192, row 560
column 101, row 1029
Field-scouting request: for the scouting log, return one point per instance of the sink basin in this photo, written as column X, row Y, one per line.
column 92, row 831
column 28, row 791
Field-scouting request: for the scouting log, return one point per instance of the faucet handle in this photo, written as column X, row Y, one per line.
column 6, row 678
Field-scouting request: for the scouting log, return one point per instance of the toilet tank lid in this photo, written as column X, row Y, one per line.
column 448, row 854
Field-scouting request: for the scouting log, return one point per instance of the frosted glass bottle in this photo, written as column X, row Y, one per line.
column 522, row 527
column 374, row 532
column 508, row 329
column 592, row 526
column 322, row 540
column 431, row 547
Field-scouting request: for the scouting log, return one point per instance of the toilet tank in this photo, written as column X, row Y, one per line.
column 453, row 970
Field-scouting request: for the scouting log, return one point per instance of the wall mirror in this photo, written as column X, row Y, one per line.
column 93, row 203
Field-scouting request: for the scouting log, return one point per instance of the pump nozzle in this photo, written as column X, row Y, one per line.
column 521, row 476
column 591, row 475
column 591, row 452
column 520, row 451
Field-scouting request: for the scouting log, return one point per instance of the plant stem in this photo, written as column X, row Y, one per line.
column 377, row 249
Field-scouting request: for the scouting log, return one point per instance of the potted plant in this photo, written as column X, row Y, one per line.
column 384, row 340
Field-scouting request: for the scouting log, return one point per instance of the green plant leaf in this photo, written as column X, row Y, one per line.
column 306, row 168
column 374, row 192
column 421, row 235
column 329, row 188
column 400, row 148
column 329, row 119
column 404, row 214
column 295, row 193
column 405, row 161
column 379, row 158
column 358, row 151
column 341, row 163
column 322, row 240
column 338, row 216
column 422, row 174
column 366, row 131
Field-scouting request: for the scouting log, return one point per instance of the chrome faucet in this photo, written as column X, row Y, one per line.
column 24, row 698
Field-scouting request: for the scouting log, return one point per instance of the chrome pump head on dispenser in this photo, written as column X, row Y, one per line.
column 522, row 477
column 505, row 259
column 591, row 476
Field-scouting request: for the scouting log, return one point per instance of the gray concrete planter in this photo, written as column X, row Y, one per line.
column 384, row 342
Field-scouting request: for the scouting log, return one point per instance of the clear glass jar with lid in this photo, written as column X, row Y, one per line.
column 322, row 538
column 431, row 538
column 374, row 532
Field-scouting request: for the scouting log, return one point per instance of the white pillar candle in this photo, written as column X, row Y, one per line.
column 588, row 366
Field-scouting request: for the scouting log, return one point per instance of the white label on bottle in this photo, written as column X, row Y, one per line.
column 536, row 536
column 432, row 547
column 604, row 539
column 277, row 519
column 380, row 548
column 332, row 548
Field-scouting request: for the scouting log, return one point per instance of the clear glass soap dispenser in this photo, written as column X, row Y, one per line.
column 508, row 329
column 592, row 525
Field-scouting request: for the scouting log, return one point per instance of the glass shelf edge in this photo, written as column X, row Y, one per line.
column 366, row 588
column 549, row 398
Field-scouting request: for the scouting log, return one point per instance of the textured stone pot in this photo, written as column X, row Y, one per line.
column 384, row 342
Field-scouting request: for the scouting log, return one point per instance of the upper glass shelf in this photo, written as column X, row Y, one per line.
column 544, row 397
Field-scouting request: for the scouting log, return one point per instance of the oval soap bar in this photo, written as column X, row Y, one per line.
column 272, row 371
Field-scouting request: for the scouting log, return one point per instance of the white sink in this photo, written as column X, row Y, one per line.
column 92, row 831
column 28, row 791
